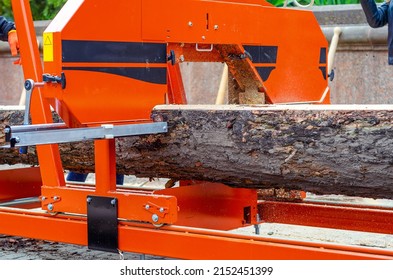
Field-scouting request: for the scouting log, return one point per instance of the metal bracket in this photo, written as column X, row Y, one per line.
column 198, row 49
column 30, row 135
column 102, row 231
column 156, row 211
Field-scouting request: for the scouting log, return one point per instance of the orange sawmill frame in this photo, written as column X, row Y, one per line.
column 63, row 212
column 170, row 240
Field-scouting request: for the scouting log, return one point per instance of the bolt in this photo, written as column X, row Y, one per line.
column 88, row 199
column 190, row 23
column 154, row 217
column 216, row 27
column 50, row 207
column 203, row 37
column 7, row 130
column 55, row 198
column 147, row 206
column 161, row 210
column 113, row 201
column 181, row 58
column 43, row 198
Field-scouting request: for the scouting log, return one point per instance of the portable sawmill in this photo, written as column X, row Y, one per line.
column 104, row 74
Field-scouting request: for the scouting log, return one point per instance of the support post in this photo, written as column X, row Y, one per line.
column 105, row 166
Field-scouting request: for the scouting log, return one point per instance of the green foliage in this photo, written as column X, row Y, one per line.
column 280, row 3
column 41, row 9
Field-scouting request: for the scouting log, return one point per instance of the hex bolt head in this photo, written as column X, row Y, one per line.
column 161, row 210
column 55, row 198
column 216, row 27
column 43, row 198
column 88, row 200
column 147, row 206
column 113, row 201
column 50, row 207
column 190, row 23
column 154, row 218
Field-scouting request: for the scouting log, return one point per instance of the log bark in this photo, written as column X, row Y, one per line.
column 324, row 149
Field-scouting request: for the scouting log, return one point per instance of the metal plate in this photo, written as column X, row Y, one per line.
column 102, row 223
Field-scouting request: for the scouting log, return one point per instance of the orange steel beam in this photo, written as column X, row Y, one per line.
column 378, row 220
column 181, row 242
column 48, row 155
column 132, row 204
column 105, row 165
column 176, row 92
column 214, row 206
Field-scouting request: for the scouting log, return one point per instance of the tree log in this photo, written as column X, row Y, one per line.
column 324, row 149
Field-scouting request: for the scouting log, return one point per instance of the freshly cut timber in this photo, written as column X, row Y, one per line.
column 324, row 149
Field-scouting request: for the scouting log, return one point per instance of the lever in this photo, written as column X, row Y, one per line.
column 29, row 87
column 47, row 78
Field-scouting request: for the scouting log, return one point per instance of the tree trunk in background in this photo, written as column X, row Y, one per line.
column 333, row 149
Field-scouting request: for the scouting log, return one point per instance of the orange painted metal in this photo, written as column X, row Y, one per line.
column 176, row 92
column 20, row 183
column 181, row 242
column 132, row 205
column 348, row 217
column 48, row 155
column 301, row 44
column 297, row 73
column 117, row 98
column 214, row 206
column 105, row 166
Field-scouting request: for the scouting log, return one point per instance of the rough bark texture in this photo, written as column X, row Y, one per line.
column 321, row 149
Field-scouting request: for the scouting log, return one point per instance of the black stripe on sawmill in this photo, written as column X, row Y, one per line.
column 262, row 54
column 264, row 72
column 322, row 55
column 150, row 75
column 323, row 70
column 116, row 52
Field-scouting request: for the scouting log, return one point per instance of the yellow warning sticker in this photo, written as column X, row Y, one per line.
column 48, row 47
